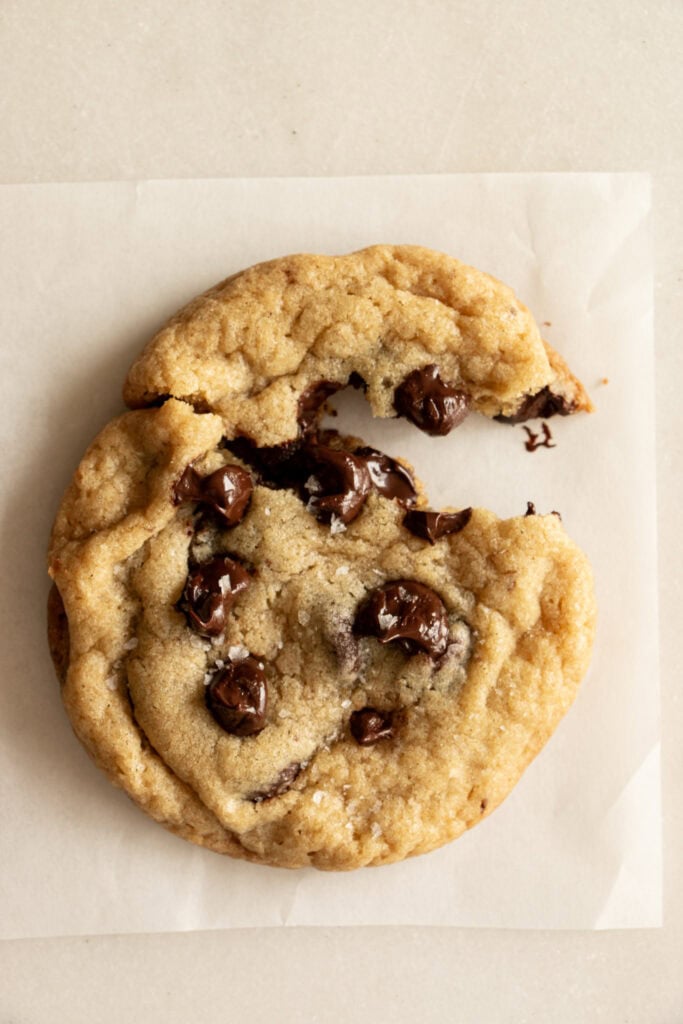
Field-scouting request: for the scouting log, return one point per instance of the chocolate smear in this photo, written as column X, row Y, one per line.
column 407, row 613
column 237, row 697
column 432, row 404
column 433, row 525
column 210, row 592
column 369, row 725
column 533, row 439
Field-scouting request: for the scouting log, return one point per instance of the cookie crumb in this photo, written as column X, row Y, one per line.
column 318, row 796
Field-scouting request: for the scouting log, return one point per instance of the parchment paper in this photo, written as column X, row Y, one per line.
column 88, row 273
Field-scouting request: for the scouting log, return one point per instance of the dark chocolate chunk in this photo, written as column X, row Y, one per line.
column 237, row 697
column 543, row 404
column 227, row 491
column 432, row 404
column 281, row 784
column 210, row 592
column 388, row 476
column 370, row 725
column 408, row 613
column 311, row 400
column 338, row 484
column 432, row 525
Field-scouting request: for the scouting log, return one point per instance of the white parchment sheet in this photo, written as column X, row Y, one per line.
column 88, row 273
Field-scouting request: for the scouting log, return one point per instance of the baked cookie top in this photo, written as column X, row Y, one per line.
column 251, row 346
column 299, row 687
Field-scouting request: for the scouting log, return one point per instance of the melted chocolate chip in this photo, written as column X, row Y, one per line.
column 432, row 525
column 338, row 484
column 211, row 591
column 407, row 613
column 543, row 404
column 237, row 697
column 330, row 478
column 188, row 487
column 370, row 725
column 429, row 402
column 227, row 491
column 311, row 401
column 281, row 784
column 388, row 477
column 279, row 465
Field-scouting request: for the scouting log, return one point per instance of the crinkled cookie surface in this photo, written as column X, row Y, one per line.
column 262, row 634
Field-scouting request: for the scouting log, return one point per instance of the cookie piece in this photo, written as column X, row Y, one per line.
column 427, row 337
column 293, row 682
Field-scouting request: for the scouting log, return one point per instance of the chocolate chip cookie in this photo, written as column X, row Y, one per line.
column 263, row 632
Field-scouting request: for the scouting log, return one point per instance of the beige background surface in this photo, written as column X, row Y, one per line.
column 99, row 90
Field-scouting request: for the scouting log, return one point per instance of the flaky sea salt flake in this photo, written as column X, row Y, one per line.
column 237, row 653
column 337, row 525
